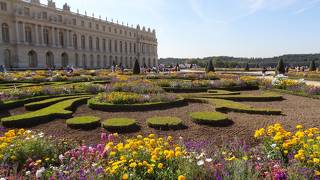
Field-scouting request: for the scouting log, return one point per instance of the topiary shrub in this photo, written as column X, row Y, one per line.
column 120, row 125
column 165, row 123
column 136, row 67
column 247, row 68
column 210, row 67
column 83, row 122
column 45, row 103
column 312, row 66
column 280, row 69
column 210, row 118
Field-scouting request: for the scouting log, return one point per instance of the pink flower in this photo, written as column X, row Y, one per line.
column 103, row 138
column 110, row 137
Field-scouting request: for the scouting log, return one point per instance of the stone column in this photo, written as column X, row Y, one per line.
column 37, row 35
column 53, row 37
column 66, row 38
column 41, row 36
column 23, row 40
column 0, row 32
column 70, row 39
column 17, row 32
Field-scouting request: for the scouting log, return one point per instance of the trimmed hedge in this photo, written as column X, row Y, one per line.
column 165, row 123
column 120, row 125
column 45, row 103
column 83, row 122
column 20, row 102
column 226, row 106
column 210, row 118
column 60, row 110
column 244, row 97
column 185, row 90
column 93, row 104
column 222, row 92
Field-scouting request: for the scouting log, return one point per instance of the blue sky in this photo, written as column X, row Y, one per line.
column 200, row 28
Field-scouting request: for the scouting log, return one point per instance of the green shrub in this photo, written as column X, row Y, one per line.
column 45, row 103
column 210, row 118
column 247, row 68
column 280, row 69
column 120, row 125
column 165, row 123
column 312, row 66
column 60, row 110
column 136, row 67
column 248, row 97
column 85, row 122
column 210, row 67
column 221, row 92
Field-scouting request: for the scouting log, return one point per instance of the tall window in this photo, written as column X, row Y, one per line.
column 121, row 46
column 98, row 61
column 61, row 38
column 75, row 41
column 104, row 46
column 84, row 61
column 125, row 47
column 90, row 43
column 49, row 60
column 7, row 58
column 28, row 33
column 134, row 48
column 130, row 48
column 5, row 32
column 110, row 45
column 64, row 60
column 33, row 61
column 76, row 56
column 115, row 45
column 83, row 42
column 97, row 44
column 46, row 36
column 3, row 6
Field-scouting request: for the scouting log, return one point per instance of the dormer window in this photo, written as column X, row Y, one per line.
column 26, row 11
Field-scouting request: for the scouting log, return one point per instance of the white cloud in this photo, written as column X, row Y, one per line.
column 311, row 4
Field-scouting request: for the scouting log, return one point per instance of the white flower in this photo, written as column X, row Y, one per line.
column 39, row 172
column 28, row 173
column 208, row 159
column 2, row 178
column 61, row 157
column 200, row 163
column 273, row 145
column 28, row 131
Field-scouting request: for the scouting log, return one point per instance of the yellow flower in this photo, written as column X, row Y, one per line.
column 133, row 165
column 169, row 138
column 160, row 165
column 316, row 160
column 181, row 177
column 150, row 170
column 299, row 126
column 125, row 176
column 151, row 135
column 13, row 157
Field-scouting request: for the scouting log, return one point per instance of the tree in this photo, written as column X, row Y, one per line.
column 136, row 67
column 247, row 68
column 210, row 67
column 312, row 66
column 280, row 69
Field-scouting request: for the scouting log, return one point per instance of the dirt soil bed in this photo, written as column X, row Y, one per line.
column 296, row 110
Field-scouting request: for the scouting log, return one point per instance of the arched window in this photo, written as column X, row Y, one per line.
column 131, row 62
column 91, row 61
column 121, row 61
column 46, row 36
column 28, row 34
column 116, row 60
column 7, row 58
column 76, row 59
column 50, row 60
column 33, row 59
column 61, row 38
column 98, row 61
column 110, row 61
column 90, row 43
column 97, row 44
column 84, row 61
column 64, row 60
column 126, row 62
column 104, row 61
column 75, row 41
column 5, row 33
column 83, row 42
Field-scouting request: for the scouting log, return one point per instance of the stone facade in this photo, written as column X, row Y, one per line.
column 37, row 36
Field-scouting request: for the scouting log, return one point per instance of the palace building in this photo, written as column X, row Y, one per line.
column 38, row 36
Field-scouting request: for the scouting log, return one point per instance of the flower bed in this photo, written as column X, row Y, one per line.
column 278, row 154
column 124, row 101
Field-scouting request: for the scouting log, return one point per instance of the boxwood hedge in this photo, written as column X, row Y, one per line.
column 165, row 123
column 84, row 122
column 210, row 118
column 120, row 125
column 60, row 110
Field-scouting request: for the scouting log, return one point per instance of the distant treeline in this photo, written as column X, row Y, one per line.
column 237, row 62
